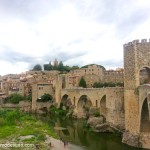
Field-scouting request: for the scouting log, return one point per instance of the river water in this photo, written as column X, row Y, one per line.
column 82, row 139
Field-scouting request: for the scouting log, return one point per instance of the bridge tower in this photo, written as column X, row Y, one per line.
column 136, row 56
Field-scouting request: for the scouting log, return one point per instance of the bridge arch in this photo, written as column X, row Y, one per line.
column 66, row 101
column 103, row 109
column 83, row 105
column 145, row 117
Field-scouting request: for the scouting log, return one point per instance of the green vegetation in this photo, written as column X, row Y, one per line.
column 82, row 83
column 15, row 124
column 37, row 68
column 15, row 98
column 87, row 127
column 109, row 84
column 86, row 66
column 97, row 114
column 45, row 98
column 59, row 67
column 58, row 111
column 28, row 98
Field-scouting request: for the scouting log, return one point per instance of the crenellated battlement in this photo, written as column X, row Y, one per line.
column 134, row 42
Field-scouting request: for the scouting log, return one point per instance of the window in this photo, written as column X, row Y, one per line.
column 40, row 88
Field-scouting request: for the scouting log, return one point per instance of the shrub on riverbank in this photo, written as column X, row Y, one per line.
column 15, row 124
column 58, row 111
column 15, row 98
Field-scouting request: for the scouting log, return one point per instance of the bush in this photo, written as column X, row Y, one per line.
column 57, row 111
column 45, row 98
column 82, row 83
column 14, row 98
column 97, row 114
column 107, row 84
column 12, row 117
column 28, row 98
column 52, row 110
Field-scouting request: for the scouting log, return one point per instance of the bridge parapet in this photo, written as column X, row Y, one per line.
column 84, row 89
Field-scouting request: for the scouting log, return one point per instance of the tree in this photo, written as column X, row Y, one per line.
column 67, row 68
column 45, row 98
column 50, row 67
column 82, row 83
column 75, row 67
column 46, row 66
column 60, row 66
column 37, row 68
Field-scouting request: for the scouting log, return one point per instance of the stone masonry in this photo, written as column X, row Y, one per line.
column 136, row 56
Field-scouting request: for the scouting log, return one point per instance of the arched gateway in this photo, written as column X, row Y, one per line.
column 145, row 117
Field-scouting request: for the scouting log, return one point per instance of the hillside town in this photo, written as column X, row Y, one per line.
column 23, row 83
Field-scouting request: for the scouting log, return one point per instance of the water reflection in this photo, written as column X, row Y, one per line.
column 82, row 139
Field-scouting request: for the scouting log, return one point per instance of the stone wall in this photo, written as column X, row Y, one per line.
column 39, row 89
column 23, row 105
column 91, row 79
column 113, row 76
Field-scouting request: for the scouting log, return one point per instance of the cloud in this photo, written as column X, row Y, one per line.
column 13, row 57
column 76, row 32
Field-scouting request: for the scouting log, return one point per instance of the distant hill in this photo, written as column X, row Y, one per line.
column 86, row 66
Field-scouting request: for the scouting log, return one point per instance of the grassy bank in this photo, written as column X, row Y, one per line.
column 15, row 124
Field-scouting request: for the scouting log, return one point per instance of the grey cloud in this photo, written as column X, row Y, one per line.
column 14, row 57
column 63, row 56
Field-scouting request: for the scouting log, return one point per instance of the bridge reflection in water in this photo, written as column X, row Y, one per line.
column 82, row 139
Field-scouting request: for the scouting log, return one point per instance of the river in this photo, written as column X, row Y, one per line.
column 82, row 139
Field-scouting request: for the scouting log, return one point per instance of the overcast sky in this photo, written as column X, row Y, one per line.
column 78, row 32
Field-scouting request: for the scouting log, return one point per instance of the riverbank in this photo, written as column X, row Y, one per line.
column 23, row 131
column 59, row 145
column 32, row 132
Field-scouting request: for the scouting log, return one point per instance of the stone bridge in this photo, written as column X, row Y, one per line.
column 109, row 101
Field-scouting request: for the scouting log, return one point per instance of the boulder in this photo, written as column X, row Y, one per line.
column 64, row 108
column 104, row 128
column 94, row 121
column 130, row 139
column 26, row 137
